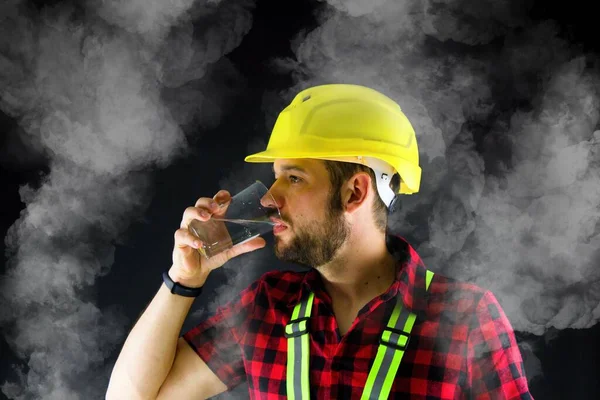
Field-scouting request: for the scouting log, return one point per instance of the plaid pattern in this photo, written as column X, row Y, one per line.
column 462, row 345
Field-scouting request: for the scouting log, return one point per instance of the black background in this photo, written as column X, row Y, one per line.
column 569, row 361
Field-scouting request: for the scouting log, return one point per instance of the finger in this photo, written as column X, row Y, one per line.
column 246, row 247
column 206, row 202
column 184, row 238
column 222, row 194
column 221, row 258
column 222, row 197
column 223, row 200
column 192, row 213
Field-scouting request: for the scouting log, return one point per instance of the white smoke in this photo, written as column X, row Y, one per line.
column 510, row 196
column 538, row 224
column 152, row 19
column 87, row 87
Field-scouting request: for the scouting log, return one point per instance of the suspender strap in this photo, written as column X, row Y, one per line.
column 392, row 343
column 296, row 332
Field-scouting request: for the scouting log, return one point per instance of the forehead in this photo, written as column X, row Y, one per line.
column 309, row 166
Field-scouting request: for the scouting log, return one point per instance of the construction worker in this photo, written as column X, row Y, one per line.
column 367, row 321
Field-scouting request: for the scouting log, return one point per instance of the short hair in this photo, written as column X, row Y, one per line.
column 340, row 172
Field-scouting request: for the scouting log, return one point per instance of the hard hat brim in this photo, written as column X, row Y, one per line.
column 407, row 186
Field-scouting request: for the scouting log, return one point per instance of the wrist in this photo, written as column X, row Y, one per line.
column 177, row 288
column 191, row 282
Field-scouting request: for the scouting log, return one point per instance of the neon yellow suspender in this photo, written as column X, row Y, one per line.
column 392, row 343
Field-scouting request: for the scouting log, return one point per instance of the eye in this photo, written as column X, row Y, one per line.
column 295, row 179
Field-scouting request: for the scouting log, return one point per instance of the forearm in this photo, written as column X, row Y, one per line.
column 149, row 350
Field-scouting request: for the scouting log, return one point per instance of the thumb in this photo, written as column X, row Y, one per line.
column 219, row 259
column 246, row 247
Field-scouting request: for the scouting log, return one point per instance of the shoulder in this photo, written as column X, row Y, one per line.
column 451, row 296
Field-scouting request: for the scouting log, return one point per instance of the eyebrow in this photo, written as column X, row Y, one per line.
column 290, row 168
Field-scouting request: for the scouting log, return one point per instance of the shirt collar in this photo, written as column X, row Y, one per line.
column 409, row 281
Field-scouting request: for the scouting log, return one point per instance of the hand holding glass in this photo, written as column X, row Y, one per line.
column 245, row 218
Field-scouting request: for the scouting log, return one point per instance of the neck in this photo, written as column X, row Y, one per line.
column 361, row 271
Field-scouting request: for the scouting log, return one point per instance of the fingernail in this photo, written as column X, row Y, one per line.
column 204, row 214
column 197, row 244
column 213, row 204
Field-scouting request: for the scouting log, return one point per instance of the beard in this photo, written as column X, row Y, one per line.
column 317, row 243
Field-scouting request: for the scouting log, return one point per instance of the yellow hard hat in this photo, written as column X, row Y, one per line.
column 348, row 123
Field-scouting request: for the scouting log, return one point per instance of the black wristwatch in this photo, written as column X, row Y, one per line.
column 177, row 288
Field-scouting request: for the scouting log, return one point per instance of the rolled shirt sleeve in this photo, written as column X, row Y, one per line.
column 217, row 339
column 495, row 366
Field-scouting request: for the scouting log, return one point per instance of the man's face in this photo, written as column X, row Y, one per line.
column 312, row 210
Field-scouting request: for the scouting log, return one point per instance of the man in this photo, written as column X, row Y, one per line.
column 368, row 321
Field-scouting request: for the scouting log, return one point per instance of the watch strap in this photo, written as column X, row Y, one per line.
column 177, row 288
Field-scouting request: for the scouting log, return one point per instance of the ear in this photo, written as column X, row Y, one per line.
column 354, row 194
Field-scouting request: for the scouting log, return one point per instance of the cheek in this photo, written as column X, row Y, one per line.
column 309, row 218
column 308, row 207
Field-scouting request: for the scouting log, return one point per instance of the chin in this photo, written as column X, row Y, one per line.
column 278, row 243
column 280, row 238
column 279, row 247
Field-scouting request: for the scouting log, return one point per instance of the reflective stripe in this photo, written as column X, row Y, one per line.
column 388, row 358
column 428, row 278
column 392, row 343
column 299, row 351
column 292, row 352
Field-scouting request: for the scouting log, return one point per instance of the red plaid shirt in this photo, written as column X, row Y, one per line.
column 462, row 345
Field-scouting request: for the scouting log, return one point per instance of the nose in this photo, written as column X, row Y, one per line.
column 269, row 200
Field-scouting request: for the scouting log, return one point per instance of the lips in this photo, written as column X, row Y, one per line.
column 278, row 222
column 279, row 225
column 278, row 228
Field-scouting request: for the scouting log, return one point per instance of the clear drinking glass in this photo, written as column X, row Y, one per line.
column 244, row 219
